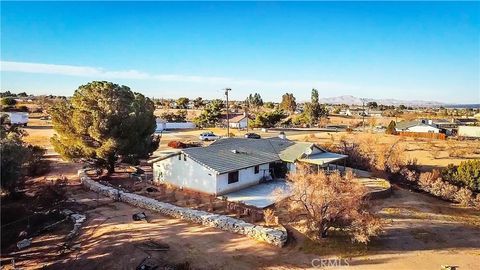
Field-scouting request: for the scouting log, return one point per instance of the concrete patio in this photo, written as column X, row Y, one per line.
column 259, row 195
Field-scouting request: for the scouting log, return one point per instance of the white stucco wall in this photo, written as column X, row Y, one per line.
column 240, row 124
column 188, row 174
column 246, row 177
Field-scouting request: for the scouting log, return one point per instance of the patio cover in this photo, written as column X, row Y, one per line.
column 323, row 158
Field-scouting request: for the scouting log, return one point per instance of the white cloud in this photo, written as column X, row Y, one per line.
column 100, row 73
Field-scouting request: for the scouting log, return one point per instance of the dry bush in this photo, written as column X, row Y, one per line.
column 269, row 217
column 426, row 180
column 330, row 201
column 464, row 196
column 476, row 202
column 409, row 175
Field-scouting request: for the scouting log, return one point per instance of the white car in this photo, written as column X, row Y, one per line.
column 208, row 136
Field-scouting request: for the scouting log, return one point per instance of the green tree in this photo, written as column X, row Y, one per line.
column 8, row 101
column 182, row 103
column 18, row 159
column 103, row 122
column 372, row 104
column 198, row 103
column 180, row 116
column 313, row 110
column 267, row 119
column 467, row 173
column 391, row 128
column 210, row 114
column 254, row 101
column 288, row 103
column 269, row 105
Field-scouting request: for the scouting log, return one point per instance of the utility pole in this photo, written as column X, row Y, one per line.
column 228, row 117
column 363, row 114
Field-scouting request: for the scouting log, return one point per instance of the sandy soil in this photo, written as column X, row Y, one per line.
column 423, row 233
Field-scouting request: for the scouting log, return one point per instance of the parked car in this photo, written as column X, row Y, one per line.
column 252, row 136
column 208, row 136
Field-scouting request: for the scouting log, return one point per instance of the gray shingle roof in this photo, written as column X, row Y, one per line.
column 231, row 154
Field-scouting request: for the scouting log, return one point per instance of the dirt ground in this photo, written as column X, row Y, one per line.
column 423, row 233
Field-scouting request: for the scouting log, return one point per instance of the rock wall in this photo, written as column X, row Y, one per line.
column 276, row 237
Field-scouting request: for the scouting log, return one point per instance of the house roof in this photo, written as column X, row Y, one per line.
column 237, row 118
column 322, row 158
column 231, row 154
column 408, row 124
column 233, row 118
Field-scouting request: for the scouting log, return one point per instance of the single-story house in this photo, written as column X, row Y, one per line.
column 417, row 126
column 355, row 112
column 466, row 121
column 232, row 164
column 239, row 121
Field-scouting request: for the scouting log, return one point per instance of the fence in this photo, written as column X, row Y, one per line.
column 428, row 135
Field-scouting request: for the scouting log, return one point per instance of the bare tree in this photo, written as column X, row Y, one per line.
column 330, row 201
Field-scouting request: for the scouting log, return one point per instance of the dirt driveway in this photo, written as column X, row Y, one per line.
column 424, row 234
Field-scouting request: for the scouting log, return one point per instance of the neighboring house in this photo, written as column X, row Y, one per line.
column 239, row 121
column 232, row 164
column 355, row 112
column 469, row 131
column 374, row 113
column 417, row 126
column 164, row 125
column 466, row 121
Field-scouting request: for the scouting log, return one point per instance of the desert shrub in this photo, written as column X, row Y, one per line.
column 466, row 174
column 330, row 201
column 269, row 217
column 476, row 201
column 426, row 180
column 464, row 196
column 391, row 128
column 409, row 175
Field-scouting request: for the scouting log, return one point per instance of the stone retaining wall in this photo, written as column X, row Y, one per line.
column 276, row 237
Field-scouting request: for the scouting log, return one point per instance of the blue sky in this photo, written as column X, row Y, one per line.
column 406, row 50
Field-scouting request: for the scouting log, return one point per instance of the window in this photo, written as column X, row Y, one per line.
column 232, row 177
column 179, row 156
column 184, row 157
column 257, row 169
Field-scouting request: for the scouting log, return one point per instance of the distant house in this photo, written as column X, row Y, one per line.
column 164, row 125
column 374, row 113
column 232, row 164
column 355, row 112
column 469, row 131
column 466, row 121
column 417, row 126
column 239, row 121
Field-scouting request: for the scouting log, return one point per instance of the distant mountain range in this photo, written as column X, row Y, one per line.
column 351, row 100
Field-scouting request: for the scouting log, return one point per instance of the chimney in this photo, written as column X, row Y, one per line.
column 282, row 135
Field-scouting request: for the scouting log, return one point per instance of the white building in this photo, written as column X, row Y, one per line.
column 164, row 125
column 239, row 121
column 232, row 164
column 17, row 118
column 425, row 126
column 469, row 131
